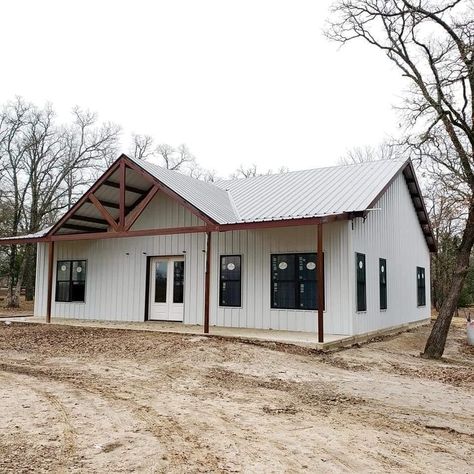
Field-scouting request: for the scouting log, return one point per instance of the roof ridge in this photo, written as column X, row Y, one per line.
column 305, row 170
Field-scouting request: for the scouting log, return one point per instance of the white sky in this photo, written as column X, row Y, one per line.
column 247, row 81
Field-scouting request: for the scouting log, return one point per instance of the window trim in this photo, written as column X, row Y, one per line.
column 383, row 261
column 221, row 305
column 423, row 271
column 71, row 261
column 300, row 252
column 357, row 254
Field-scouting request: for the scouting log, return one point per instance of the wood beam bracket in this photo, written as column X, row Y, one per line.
column 105, row 214
column 137, row 212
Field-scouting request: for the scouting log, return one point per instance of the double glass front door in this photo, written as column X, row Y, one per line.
column 166, row 289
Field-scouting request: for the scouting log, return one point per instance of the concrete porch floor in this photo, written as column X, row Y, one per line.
column 298, row 338
column 305, row 339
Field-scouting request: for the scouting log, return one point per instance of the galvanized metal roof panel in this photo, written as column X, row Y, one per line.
column 310, row 193
column 208, row 198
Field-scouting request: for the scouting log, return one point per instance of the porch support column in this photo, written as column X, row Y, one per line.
column 207, row 282
column 50, row 280
column 123, row 174
column 320, row 283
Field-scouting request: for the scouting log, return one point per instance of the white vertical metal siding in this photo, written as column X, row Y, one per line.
column 41, row 279
column 116, row 268
column 256, row 246
column 393, row 233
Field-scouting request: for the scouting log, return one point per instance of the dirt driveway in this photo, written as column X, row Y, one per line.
column 77, row 399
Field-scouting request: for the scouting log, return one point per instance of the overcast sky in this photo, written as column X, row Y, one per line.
column 237, row 81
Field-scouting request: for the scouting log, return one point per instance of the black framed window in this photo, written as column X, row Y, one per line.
column 230, row 286
column 71, row 281
column 294, row 281
column 361, row 282
column 383, row 282
column 421, row 286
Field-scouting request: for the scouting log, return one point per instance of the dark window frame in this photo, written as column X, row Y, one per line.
column 383, row 294
column 420, row 286
column 71, row 281
column 222, row 281
column 297, row 282
column 361, row 283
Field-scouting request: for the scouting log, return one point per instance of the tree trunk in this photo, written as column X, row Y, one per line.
column 437, row 340
column 11, row 301
column 30, row 275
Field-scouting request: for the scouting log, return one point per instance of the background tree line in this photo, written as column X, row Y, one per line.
column 45, row 166
column 430, row 43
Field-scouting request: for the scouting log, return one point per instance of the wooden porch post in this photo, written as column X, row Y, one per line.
column 123, row 174
column 207, row 282
column 319, row 265
column 50, row 280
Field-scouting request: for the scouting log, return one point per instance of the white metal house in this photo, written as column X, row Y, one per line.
column 345, row 247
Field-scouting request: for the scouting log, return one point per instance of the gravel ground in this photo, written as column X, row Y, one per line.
column 78, row 399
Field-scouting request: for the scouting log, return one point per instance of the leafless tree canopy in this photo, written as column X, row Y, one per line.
column 431, row 42
column 384, row 151
column 43, row 167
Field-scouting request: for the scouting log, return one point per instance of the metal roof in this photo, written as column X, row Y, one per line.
column 310, row 193
column 208, row 198
column 332, row 192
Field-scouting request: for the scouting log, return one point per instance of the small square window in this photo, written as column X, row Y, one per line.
column 71, row 281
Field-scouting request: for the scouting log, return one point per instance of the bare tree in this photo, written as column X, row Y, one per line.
column 175, row 159
column 431, row 42
column 46, row 166
column 142, row 147
column 250, row 171
column 384, row 151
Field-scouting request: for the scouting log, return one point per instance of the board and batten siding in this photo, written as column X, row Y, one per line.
column 391, row 231
column 256, row 247
column 116, row 268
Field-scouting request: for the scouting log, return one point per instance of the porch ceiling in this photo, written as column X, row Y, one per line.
column 87, row 218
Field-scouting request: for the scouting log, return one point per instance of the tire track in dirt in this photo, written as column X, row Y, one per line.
column 69, row 435
column 68, row 445
column 196, row 454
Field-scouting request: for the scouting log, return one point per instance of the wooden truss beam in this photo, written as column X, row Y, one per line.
column 105, row 214
column 130, row 189
column 85, row 198
column 165, row 189
column 137, row 211
column 123, row 234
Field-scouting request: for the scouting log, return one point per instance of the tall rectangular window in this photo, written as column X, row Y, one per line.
column 361, row 282
column 383, row 283
column 421, row 286
column 294, row 281
column 71, row 281
column 230, row 288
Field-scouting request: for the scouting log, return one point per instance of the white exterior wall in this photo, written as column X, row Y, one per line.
column 393, row 233
column 116, row 268
column 256, row 246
